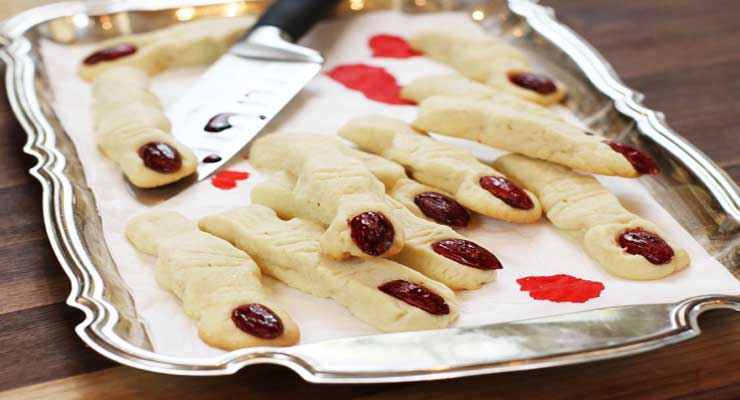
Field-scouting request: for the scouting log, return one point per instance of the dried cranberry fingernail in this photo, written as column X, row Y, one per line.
column 507, row 191
column 640, row 242
column 417, row 296
column 110, row 53
column 642, row 162
column 372, row 232
column 160, row 157
column 537, row 83
column 467, row 253
column 442, row 209
column 257, row 320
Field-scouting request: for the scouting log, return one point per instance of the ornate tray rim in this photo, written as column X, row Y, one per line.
column 679, row 320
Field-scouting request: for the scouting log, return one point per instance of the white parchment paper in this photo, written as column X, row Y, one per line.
column 323, row 106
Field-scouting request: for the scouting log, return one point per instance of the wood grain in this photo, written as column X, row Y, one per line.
column 682, row 54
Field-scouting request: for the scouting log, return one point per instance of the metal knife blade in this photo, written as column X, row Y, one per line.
column 241, row 93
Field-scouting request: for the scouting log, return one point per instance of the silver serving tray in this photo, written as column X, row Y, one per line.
column 692, row 188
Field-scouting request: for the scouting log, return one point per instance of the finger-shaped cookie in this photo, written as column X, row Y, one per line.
column 625, row 244
column 340, row 192
column 380, row 292
column 435, row 250
column 132, row 129
column 525, row 133
column 487, row 59
column 429, row 203
column 454, row 85
column 219, row 285
column 448, row 167
column 192, row 43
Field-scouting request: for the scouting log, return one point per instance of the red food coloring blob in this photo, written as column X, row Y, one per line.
column 391, row 46
column 534, row 82
column 257, row 320
column 466, row 253
column 560, row 288
column 226, row 180
column 442, row 209
column 110, row 53
column 417, row 296
column 374, row 82
column 642, row 162
column 640, row 242
column 507, row 191
column 372, row 232
column 160, row 157
column 219, row 122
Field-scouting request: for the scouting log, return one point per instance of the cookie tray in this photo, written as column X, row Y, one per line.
column 692, row 188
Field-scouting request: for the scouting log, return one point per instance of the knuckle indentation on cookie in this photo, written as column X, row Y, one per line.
column 467, row 253
column 160, row 157
column 257, row 320
column 652, row 247
column 372, row 232
column 507, row 192
column 417, row 296
column 442, row 209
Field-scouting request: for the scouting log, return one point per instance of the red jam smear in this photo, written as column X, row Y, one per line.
column 560, row 288
column 442, row 209
column 391, row 46
column 507, row 191
column 374, row 82
column 219, row 122
column 110, row 53
column 226, row 180
column 534, row 82
column 640, row 242
column 467, row 253
column 417, row 296
column 642, row 162
column 372, row 232
column 160, row 157
column 257, row 320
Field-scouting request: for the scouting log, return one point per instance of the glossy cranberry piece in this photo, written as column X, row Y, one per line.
column 442, row 209
column 647, row 244
column 507, row 191
column 417, row 296
column 372, row 232
column 160, row 157
column 110, row 53
column 219, row 122
column 257, row 320
column 467, row 253
column 538, row 83
column 642, row 162
column 211, row 158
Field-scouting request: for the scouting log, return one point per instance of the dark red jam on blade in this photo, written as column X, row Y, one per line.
column 257, row 320
column 417, row 296
column 642, row 162
column 110, row 53
column 372, row 232
column 507, row 191
column 219, row 122
column 211, row 158
column 538, row 83
column 647, row 244
column 442, row 209
column 160, row 157
column 467, row 253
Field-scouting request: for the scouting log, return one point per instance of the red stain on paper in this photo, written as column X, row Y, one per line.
column 560, row 288
column 391, row 46
column 374, row 82
column 226, row 180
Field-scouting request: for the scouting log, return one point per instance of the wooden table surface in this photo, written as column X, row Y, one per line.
column 683, row 54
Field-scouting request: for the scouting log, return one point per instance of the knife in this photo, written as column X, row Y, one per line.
column 249, row 85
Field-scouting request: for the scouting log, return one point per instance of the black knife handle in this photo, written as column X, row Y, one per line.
column 295, row 17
